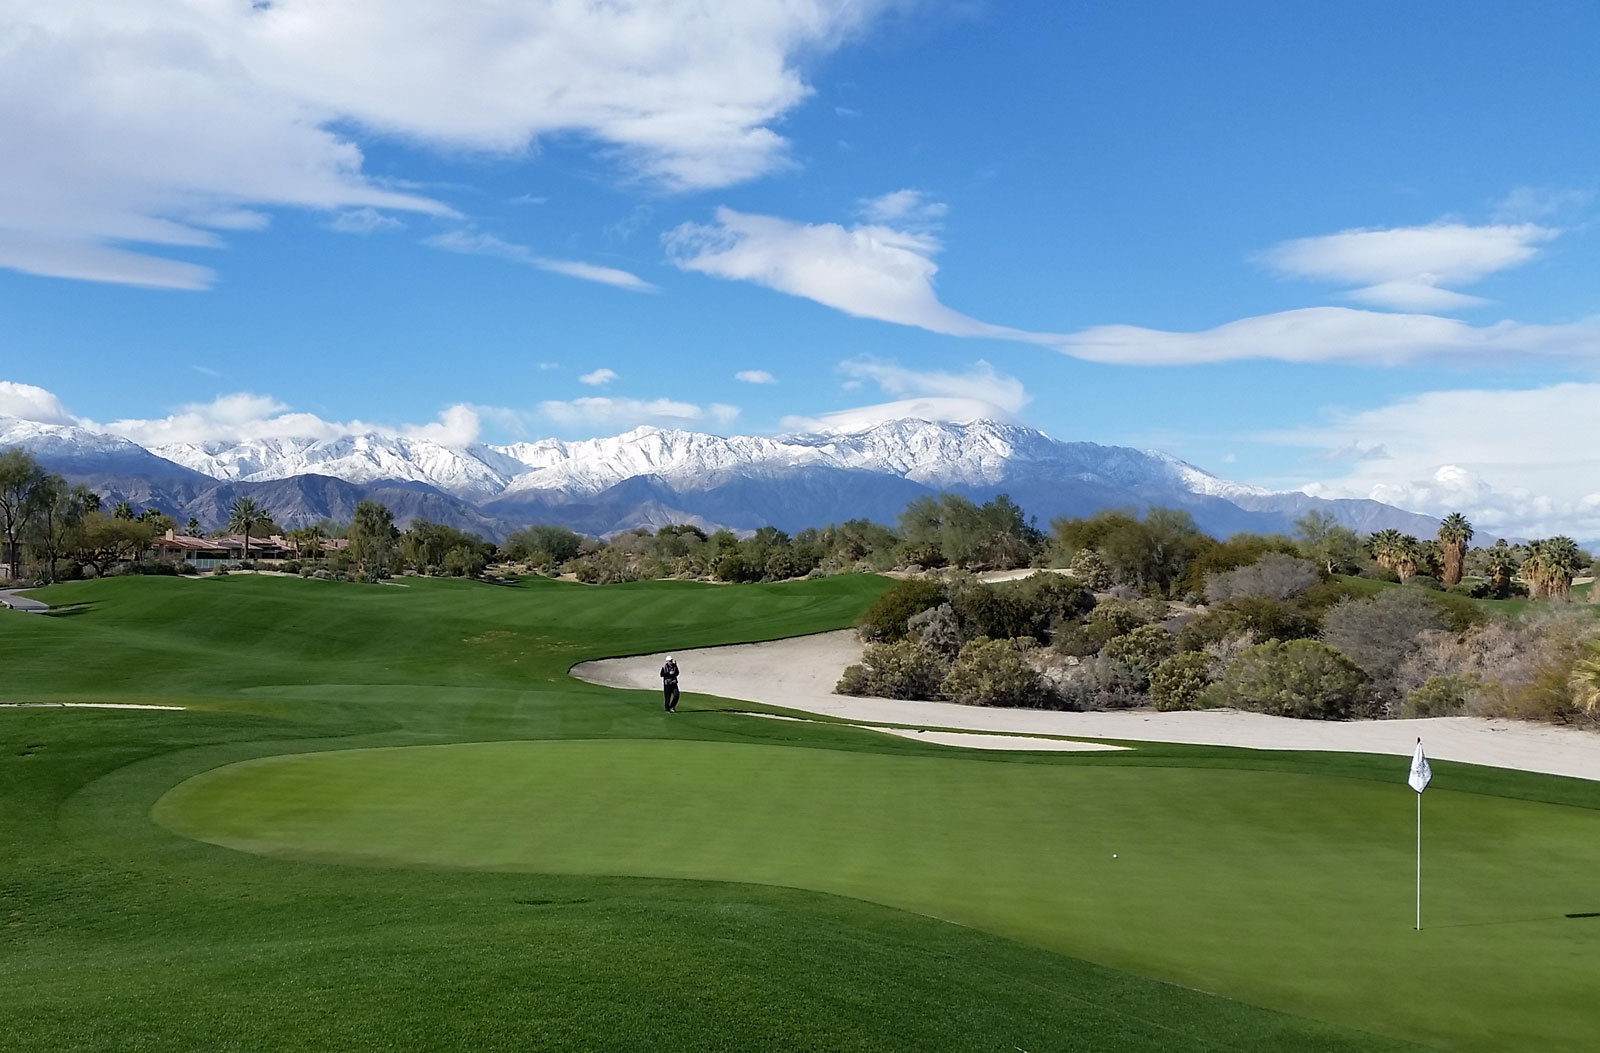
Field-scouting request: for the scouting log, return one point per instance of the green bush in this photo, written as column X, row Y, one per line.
column 188, row 569
column 1267, row 619
column 1425, row 581
column 1141, row 651
column 887, row 617
column 290, row 566
column 995, row 673
column 1472, row 588
column 1294, row 678
column 900, row 669
column 1438, row 696
column 1180, row 681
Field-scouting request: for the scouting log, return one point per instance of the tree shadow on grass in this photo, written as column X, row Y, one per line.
column 68, row 610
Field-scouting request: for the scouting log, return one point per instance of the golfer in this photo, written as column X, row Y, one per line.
column 669, row 684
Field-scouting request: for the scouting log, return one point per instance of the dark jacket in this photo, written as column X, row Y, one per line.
column 669, row 672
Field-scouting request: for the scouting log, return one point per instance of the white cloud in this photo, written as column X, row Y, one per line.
column 1410, row 268
column 870, row 271
column 1515, row 462
column 979, row 394
column 904, row 210
column 363, row 221
column 755, row 376
column 153, row 123
column 1526, row 203
column 598, row 377
column 601, row 412
column 476, row 244
column 26, row 402
column 1332, row 334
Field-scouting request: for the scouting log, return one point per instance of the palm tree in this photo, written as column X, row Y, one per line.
column 1454, row 534
column 1564, row 558
column 123, row 510
column 1501, row 564
column 1407, row 553
column 1385, row 546
column 244, row 516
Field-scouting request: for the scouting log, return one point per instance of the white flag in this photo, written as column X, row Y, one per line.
column 1420, row 772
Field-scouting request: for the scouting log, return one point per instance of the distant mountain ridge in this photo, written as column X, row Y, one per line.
column 649, row 477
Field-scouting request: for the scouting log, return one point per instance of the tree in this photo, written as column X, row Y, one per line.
column 246, row 516
column 372, row 536
column 1500, row 563
column 20, row 475
column 1335, row 548
column 122, row 510
column 542, row 545
column 1454, row 534
column 58, row 515
column 192, row 527
column 1387, row 547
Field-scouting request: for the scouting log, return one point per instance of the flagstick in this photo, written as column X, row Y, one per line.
column 1419, row 862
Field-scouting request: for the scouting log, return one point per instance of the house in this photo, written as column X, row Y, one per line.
column 207, row 553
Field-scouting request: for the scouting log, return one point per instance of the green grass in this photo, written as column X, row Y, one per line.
column 592, row 874
column 1511, row 607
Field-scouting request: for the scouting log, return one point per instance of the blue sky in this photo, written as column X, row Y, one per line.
column 1342, row 247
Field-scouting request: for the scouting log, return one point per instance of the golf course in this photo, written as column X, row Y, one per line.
column 386, row 817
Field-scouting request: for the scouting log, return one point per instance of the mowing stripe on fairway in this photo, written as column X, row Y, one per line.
column 1285, row 890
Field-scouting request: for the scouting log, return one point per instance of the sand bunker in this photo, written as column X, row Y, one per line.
column 966, row 739
column 800, row 673
column 80, row 705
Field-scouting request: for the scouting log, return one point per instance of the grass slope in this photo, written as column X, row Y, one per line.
column 116, row 932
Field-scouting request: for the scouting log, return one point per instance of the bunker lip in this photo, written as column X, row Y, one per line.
column 970, row 740
column 800, row 673
column 84, row 705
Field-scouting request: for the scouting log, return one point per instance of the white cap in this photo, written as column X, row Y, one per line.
column 669, row 658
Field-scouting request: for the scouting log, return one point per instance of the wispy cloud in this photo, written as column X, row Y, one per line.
column 600, row 412
column 904, row 210
column 978, row 394
column 755, row 376
column 1410, row 268
column 1526, row 204
column 474, row 243
column 363, row 221
column 869, row 271
column 599, row 377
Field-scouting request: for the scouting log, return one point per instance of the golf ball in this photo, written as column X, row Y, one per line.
column 1113, row 855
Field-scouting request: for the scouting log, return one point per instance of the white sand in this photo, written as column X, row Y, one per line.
column 800, row 673
column 80, row 705
column 966, row 739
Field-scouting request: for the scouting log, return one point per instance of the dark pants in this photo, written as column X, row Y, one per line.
column 669, row 688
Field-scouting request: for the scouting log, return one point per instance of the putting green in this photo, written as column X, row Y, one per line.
column 1288, row 891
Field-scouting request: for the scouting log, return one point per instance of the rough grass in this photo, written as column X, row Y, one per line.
column 118, row 932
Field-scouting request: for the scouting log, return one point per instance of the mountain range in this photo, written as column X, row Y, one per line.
column 650, row 477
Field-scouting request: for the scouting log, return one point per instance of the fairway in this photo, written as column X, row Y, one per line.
column 387, row 818
column 1289, row 891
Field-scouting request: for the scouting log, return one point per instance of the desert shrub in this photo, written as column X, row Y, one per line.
column 1140, row 651
column 1379, row 633
column 465, row 561
column 1438, row 696
column 1460, row 613
column 1323, row 595
column 188, row 569
column 290, row 566
column 1472, row 588
column 1098, row 683
column 1090, row 568
column 1180, row 681
column 1051, row 597
column 220, row 572
column 984, row 611
column 900, row 669
column 995, row 673
column 246, row 564
column 1425, row 581
column 1264, row 618
column 1275, row 576
column 1294, row 678
column 937, row 629
column 887, row 617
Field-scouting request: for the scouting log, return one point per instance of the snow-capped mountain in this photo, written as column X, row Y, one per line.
column 653, row 476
